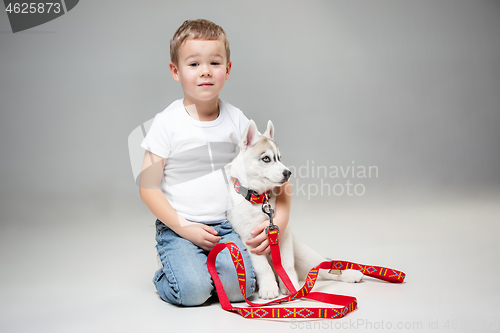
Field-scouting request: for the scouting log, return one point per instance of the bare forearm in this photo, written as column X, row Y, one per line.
column 283, row 205
column 151, row 194
column 198, row 233
column 161, row 208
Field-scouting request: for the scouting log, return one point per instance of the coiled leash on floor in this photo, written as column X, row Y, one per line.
column 347, row 303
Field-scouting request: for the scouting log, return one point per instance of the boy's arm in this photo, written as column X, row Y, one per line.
column 260, row 242
column 149, row 189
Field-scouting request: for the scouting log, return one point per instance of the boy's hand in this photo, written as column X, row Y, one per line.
column 260, row 242
column 199, row 234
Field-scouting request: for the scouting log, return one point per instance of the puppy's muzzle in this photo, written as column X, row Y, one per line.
column 286, row 175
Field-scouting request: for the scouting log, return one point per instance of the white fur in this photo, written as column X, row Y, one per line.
column 252, row 172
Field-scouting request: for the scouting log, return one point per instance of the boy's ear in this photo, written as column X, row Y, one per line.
column 270, row 130
column 174, row 71
column 250, row 137
column 228, row 69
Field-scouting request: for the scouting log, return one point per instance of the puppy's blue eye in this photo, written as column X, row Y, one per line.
column 266, row 159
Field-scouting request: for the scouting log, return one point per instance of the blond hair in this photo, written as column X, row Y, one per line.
column 197, row 29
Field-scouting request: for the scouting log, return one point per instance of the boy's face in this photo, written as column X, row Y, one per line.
column 202, row 70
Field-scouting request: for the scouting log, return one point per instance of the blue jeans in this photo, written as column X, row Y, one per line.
column 184, row 278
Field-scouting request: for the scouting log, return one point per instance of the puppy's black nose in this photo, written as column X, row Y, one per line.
column 287, row 174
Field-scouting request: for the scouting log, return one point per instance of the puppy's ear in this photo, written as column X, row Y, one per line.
column 270, row 130
column 251, row 136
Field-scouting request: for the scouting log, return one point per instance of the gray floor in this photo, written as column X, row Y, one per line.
column 85, row 264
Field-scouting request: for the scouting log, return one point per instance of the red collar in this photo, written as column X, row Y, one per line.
column 251, row 195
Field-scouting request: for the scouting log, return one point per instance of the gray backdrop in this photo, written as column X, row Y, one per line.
column 411, row 87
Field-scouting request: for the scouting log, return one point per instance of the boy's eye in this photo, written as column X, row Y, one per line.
column 266, row 159
column 193, row 64
column 215, row 63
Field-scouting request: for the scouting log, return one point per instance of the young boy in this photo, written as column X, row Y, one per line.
column 183, row 179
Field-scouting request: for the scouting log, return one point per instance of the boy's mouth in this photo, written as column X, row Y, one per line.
column 206, row 84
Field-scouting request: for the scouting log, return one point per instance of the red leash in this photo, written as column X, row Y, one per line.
column 347, row 303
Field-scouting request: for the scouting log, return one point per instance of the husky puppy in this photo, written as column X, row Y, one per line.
column 256, row 170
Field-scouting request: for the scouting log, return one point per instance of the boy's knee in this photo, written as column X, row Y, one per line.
column 187, row 293
column 234, row 293
column 237, row 296
column 193, row 294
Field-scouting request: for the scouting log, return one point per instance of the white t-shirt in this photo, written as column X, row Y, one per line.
column 194, row 181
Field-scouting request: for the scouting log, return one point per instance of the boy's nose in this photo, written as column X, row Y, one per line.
column 205, row 71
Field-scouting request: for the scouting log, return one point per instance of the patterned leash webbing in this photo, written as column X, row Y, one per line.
column 347, row 303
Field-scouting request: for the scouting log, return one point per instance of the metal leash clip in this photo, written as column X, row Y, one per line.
column 266, row 208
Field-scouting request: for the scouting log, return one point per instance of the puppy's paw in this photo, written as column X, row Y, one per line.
column 284, row 290
column 351, row 276
column 269, row 292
